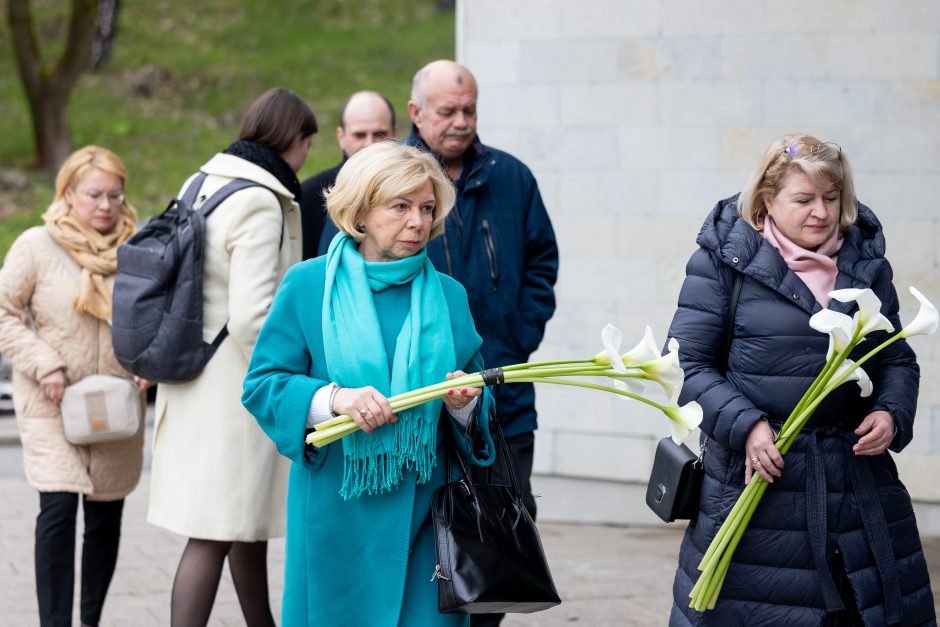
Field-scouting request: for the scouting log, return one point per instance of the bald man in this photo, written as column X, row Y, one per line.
column 498, row 242
column 365, row 118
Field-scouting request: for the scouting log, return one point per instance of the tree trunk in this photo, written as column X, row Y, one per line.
column 48, row 89
column 106, row 29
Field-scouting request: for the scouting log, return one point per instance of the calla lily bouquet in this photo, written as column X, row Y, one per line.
column 845, row 334
column 627, row 373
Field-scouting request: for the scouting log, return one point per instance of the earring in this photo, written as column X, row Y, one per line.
column 360, row 228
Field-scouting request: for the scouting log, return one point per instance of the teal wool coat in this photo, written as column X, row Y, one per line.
column 368, row 560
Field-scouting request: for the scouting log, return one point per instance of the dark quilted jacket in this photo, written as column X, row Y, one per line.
column 836, row 530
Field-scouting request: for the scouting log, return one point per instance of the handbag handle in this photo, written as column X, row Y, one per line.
column 503, row 448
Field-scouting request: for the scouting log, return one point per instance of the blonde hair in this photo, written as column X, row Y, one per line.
column 823, row 163
column 74, row 169
column 380, row 172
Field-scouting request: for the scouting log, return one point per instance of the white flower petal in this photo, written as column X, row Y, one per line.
column 838, row 325
column 612, row 338
column 646, row 350
column 683, row 420
column 926, row 320
column 869, row 315
column 666, row 371
column 855, row 374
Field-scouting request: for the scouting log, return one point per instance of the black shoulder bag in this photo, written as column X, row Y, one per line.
column 489, row 554
column 676, row 479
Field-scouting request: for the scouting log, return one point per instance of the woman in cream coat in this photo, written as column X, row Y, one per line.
column 216, row 477
column 55, row 307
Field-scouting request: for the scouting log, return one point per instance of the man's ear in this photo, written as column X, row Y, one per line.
column 413, row 111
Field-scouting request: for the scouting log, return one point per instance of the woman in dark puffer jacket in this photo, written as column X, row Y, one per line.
column 834, row 540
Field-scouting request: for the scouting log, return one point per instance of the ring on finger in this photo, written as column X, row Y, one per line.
column 363, row 411
column 755, row 460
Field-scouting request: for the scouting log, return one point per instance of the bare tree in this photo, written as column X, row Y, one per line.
column 48, row 89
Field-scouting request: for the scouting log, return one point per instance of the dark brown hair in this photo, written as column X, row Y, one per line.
column 277, row 118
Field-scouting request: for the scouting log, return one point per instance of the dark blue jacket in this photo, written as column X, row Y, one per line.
column 500, row 245
column 836, row 528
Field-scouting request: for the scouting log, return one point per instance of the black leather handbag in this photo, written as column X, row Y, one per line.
column 675, row 481
column 489, row 554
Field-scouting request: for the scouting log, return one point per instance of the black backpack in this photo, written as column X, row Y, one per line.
column 156, row 313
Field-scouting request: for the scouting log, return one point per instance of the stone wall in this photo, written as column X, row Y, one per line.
column 636, row 116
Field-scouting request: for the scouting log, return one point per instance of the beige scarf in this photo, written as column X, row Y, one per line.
column 94, row 252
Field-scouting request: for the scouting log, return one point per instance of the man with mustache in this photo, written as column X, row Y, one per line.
column 365, row 118
column 498, row 242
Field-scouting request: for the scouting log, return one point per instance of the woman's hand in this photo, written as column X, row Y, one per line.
column 367, row 406
column 761, row 456
column 53, row 385
column 876, row 431
column 142, row 383
column 457, row 398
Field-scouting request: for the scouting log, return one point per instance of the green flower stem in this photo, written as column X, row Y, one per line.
column 335, row 428
column 593, row 386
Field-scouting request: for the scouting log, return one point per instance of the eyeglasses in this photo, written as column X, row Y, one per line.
column 804, row 150
column 95, row 196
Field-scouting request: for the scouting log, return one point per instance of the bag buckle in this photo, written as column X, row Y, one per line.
column 439, row 574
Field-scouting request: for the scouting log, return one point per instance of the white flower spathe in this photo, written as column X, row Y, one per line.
column 646, row 350
column 611, row 338
column 868, row 317
column 683, row 420
column 839, row 326
column 666, row 371
column 855, row 374
column 926, row 320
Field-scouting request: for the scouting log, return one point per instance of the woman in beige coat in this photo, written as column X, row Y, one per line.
column 55, row 307
column 216, row 477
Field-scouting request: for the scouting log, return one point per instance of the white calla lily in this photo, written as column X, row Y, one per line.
column 612, row 338
column 683, row 420
column 868, row 317
column 857, row 374
column 646, row 350
column 666, row 371
column 926, row 320
column 839, row 326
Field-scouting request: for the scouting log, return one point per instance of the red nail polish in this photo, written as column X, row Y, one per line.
column 451, row 392
column 463, row 391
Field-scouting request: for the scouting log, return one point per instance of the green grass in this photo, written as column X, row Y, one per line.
column 183, row 73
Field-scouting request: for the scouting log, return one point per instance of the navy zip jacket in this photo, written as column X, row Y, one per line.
column 500, row 245
column 836, row 532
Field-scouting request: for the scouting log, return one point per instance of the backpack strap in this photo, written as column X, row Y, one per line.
column 210, row 205
column 189, row 196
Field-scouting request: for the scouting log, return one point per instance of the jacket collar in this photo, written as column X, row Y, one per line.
column 473, row 159
column 741, row 247
column 235, row 167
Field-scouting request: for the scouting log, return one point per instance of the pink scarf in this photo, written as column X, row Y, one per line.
column 815, row 268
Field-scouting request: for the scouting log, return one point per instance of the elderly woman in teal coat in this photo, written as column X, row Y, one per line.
column 370, row 319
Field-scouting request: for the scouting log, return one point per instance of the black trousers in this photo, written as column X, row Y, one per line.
column 55, row 556
column 522, row 451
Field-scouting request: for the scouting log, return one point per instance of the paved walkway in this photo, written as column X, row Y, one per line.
column 605, row 575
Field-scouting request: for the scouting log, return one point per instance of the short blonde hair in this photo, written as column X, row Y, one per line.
column 822, row 162
column 74, row 169
column 380, row 172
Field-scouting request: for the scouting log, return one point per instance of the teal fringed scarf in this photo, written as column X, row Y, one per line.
column 355, row 357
